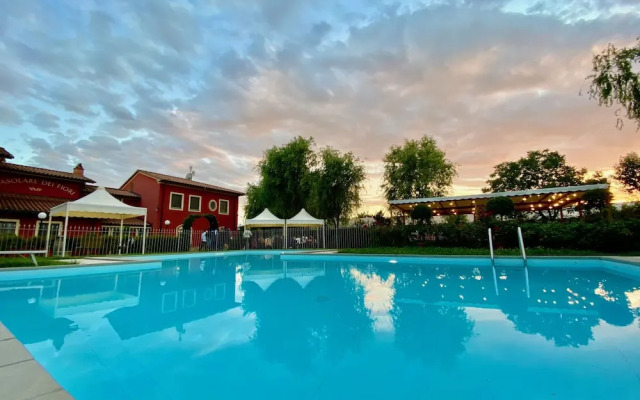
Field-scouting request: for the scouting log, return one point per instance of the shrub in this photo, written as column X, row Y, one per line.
column 502, row 206
column 422, row 214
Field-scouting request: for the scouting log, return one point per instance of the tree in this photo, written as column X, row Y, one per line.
column 615, row 80
column 539, row 169
column 597, row 178
column 381, row 220
column 422, row 214
column 627, row 172
column 502, row 206
column 285, row 184
column 417, row 169
column 336, row 185
column 596, row 200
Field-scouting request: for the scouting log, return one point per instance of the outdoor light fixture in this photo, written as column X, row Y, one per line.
column 42, row 215
column 167, row 222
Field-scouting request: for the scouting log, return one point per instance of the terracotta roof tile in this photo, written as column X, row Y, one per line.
column 43, row 172
column 5, row 154
column 187, row 182
column 113, row 191
column 28, row 203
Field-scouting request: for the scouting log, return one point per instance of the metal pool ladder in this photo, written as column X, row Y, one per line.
column 493, row 262
column 521, row 242
column 524, row 260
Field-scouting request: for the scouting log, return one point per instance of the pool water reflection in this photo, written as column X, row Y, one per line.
column 254, row 326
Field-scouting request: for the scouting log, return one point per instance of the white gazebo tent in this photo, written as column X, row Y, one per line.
column 99, row 204
column 304, row 219
column 267, row 220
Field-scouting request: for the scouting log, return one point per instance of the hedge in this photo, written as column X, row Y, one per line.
column 602, row 235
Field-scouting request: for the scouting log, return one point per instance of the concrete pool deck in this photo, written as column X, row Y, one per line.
column 22, row 377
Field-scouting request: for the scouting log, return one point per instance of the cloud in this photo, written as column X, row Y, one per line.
column 123, row 85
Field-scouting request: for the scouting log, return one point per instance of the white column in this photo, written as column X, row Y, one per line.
column 120, row 241
column 48, row 236
column 66, row 226
column 144, row 233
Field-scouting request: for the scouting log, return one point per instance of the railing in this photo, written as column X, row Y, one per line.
column 493, row 261
column 521, row 243
column 89, row 241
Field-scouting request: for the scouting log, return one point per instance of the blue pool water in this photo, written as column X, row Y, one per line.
column 247, row 326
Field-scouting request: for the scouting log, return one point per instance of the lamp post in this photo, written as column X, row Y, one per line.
column 41, row 216
column 166, row 224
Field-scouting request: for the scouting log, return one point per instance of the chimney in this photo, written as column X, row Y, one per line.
column 4, row 154
column 78, row 170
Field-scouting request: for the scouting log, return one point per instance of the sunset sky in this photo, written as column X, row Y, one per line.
column 121, row 85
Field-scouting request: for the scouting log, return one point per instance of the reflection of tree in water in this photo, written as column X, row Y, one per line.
column 564, row 306
column 341, row 322
column 562, row 329
column 295, row 324
column 434, row 333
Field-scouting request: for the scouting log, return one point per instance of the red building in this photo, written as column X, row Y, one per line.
column 27, row 191
column 169, row 198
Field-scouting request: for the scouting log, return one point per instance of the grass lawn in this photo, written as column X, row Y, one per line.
column 8, row 262
column 462, row 251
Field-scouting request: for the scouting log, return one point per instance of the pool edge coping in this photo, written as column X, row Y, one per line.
column 38, row 377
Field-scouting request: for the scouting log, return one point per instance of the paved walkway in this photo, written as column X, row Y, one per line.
column 22, row 377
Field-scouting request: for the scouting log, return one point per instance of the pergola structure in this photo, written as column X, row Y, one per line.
column 557, row 198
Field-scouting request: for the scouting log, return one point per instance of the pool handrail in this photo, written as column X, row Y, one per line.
column 493, row 261
column 521, row 243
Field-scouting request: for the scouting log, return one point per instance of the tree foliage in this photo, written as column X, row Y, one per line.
column 539, row 169
column 596, row 200
column 293, row 176
column 417, row 169
column 627, row 172
column 502, row 206
column 284, row 185
column 615, row 80
column 336, row 185
column 422, row 214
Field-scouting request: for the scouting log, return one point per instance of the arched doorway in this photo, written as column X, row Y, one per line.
column 187, row 224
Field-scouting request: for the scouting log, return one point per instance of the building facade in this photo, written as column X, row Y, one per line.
column 173, row 199
column 27, row 191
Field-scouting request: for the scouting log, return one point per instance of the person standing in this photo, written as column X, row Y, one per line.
column 203, row 240
column 247, row 236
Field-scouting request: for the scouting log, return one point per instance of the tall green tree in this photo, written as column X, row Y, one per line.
column 336, row 185
column 418, row 168
column 539, row 169
column 627, row 172
column 285, row 179
column 615, row 79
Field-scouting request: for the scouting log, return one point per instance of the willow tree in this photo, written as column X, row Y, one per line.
column 615, row 80
column 284, row 185
column 337, row 185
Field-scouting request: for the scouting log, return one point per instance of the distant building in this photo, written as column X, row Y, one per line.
column 170, row 198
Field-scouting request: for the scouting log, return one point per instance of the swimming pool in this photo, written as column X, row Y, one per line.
column 264, row 325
